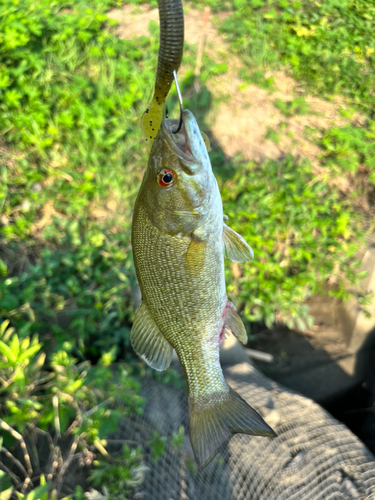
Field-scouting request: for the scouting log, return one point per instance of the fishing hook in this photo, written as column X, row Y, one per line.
column 180, row 102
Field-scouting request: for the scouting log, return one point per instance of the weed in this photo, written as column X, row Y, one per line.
column 328, row 46
column 273, row 135
column 350, row 148
column 258, row 77
column 119, row 475
column 74, row 399
column 297, row 106
column 70, row 166
column 350, row 151
column 301, row 234
column 73, row 129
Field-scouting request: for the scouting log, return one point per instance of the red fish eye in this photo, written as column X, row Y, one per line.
column 165, row 177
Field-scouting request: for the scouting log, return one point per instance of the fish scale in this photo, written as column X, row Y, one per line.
column 184, row 317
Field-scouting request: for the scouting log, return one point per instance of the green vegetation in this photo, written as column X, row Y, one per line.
column 120, row 474
column 68, row 114
column 350, row 148
column 80, row 402
column 297, row 106
column 328, row 46
column 301, row 234
column 71, row 160
column 273, row 135
column 81, row 290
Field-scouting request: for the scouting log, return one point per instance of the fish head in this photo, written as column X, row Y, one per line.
column 179, row 183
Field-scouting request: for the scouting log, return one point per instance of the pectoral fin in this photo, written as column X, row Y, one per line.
column 148, row 341
column 235, row 247
column 233, row 323
column 206, row 141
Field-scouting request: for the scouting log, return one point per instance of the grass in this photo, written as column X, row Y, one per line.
column 301, row 234
column 327, row 46
column 297, row 106
column 73, row 138
column 74, row 151
column 350, row 148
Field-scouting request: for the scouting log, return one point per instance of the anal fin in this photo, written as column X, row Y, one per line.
column 148, row 341
column 235, row 247
column 233, row 323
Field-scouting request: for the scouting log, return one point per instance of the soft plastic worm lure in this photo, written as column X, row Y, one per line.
column 171, row 19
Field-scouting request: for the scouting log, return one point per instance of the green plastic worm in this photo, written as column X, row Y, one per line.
column 171, row 19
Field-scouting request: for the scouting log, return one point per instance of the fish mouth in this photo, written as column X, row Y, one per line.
column 179, row 142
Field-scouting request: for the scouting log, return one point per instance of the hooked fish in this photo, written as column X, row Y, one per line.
column 178, row 238
column 171, row 21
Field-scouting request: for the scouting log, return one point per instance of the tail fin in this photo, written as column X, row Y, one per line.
column 214, row 418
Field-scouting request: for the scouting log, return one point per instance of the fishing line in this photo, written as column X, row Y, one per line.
column 180, row 102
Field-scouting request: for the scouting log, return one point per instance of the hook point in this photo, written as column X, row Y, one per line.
column 180, row 102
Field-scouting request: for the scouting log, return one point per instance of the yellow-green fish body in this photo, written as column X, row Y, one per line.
column 178, row 237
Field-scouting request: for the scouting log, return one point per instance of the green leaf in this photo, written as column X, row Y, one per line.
column 179, row 437
column 3, row 327
column 6, row 351
column 9, row 302
column 3, row 268
column 6, row 494
column 30, row 352
column 39, row 493
column 15, row 345
column 109, row 423
column 157, row 444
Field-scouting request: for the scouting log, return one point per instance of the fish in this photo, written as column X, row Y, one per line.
column 179, row 239
column 171, row 21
